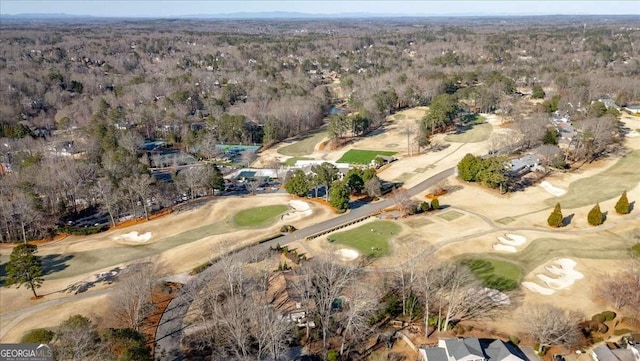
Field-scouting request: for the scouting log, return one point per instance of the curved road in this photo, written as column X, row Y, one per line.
column 169, row 332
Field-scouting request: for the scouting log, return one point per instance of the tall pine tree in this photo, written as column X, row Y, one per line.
column 24, row 267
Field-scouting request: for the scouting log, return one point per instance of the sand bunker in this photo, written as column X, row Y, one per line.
column 300, row 209
column 346, row 254
column 504, row 248
column 509, row 242
column 565, row 273
column 551, row 189
column 512, row 240
column 532, row 286
column 134, row 237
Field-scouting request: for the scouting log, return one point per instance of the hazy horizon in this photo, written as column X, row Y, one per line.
column 172, row 8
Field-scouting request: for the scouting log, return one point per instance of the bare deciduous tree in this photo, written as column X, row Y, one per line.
column 551, row 325
column 131, row 302
column 622, row 290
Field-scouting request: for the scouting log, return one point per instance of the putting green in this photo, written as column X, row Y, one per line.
column 359, row 156
column 260, row 216
column 501, row 275
column 370, row 239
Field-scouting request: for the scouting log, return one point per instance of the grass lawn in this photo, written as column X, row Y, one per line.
column 304, row 146
column 501, row 275
column 292, row 161
column 476, row 134
column 357, row 156
column 623, row 175
column 370, row 239
column 399, row 117
column 260, row 216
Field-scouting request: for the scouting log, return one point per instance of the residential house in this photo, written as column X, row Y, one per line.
column 462, row 349
column 605, row 352
column 609, row 103
column 524, row 164
column 286, row 298
column 472, row 349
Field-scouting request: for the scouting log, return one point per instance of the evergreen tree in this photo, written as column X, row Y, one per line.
column 339, row 195
column 622, row 206
column 298, row 184
column 595, row 216
column 24, row 268
column 555, row 218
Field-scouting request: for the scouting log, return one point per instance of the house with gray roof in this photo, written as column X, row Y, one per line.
column 605, row 353
column 472, row 349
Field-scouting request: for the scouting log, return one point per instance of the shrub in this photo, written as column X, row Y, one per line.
column 424, row 206
column 622, row 206
column 595, row 216
column 609, row 315
column 287, row 228
column 599, row 317
column 435, row 204
column 332, row 355
column 38, row 335
column 514, row 339
column 537, row 92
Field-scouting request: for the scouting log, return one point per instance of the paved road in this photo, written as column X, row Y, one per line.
column 169, row 332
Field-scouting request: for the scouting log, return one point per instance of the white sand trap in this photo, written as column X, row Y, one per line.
column 632, row 134
column 300, row 209
column 511, row 242
column 135, row 237
column 517, row 238
column 532, row 286
column 566, row 273
column 551, row 189
column 346, row 254
column 504, row 248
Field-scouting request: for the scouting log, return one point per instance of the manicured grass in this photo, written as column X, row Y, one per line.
column 450, row 216
column 358, row 156
column 623, row 175
column 259, row 216
column 478, row 133
column 500, row 275
column 292, row 161
column 399, row 117
column 369, row 239
column 304, row 146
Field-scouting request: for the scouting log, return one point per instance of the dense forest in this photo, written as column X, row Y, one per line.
column 79, row 99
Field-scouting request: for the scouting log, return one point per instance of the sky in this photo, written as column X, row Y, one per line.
column 169, row 8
